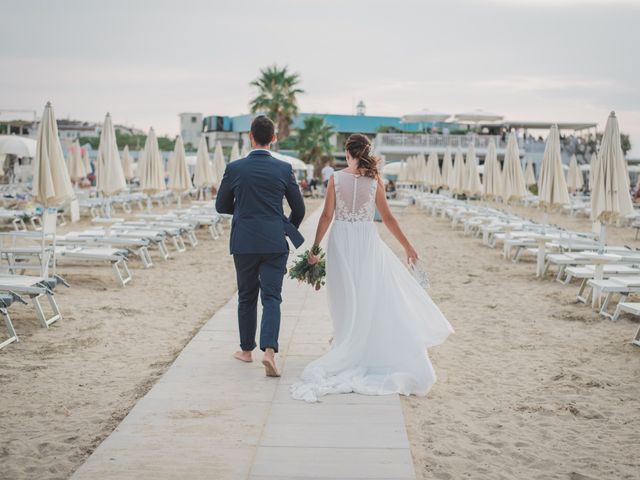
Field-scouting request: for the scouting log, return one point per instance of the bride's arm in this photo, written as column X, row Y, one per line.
column 392, row 224
column 325, row 218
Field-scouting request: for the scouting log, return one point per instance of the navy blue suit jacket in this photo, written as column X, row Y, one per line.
column 252, row 190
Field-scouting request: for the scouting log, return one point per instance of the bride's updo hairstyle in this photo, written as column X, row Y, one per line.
column 359, row 147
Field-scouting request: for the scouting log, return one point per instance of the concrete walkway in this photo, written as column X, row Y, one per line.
column 212, row 417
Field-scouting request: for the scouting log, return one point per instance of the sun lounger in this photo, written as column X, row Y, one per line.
column 622, row 286
column 35, row 288
column 632, row 308
column 6, row 300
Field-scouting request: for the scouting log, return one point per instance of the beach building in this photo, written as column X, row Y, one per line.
column 191, row 127
column 396, row 138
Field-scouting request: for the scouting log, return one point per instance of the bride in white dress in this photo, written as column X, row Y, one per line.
column 383, row 320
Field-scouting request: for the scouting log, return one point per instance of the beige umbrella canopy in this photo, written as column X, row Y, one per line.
column 473, row 185
column 127, row 164
column 204, row 176
column 235, row 152
column 218, row 164
column 574, row 175
column 529, row 175
column 51, row 184
column 415, row 169
column 447, row 170
column 402, row 173
column 433, row 171
column 109, row 175
column 610, row 196
column 152, row 167
column 492, row 178
column 552, row 187
column 86, row 161
column 76, row 165
column 422, row 174
column 139, row 166
column 459, row 174
column 513, row 185
column 592, row 166
column 179, row 178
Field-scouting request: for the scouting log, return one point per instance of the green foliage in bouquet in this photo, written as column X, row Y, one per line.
column 311, row 274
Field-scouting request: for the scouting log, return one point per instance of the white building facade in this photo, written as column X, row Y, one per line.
column 191, row 127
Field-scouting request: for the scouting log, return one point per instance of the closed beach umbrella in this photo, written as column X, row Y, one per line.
column 513, row 185
column 85, row 160
column 402, row 173
column 574, row 175
column 592, row 166
column 218, row 164
column 459, row 176
column 447, row 170
column 179, row 178
column 204, row 176
column 76, row 165
column 492, row 178
column 433, row 168
column 422, row 171
column 235, row 152
column 152, row 173
column 529, row 175
column 127, row 164
column 422, row 174
column 552, row 187
column 610, row 196
column 51, row 183
column 139, row 165
column 473, row 185
column 109, row 175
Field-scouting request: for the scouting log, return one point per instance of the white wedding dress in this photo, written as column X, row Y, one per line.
column 383, row 320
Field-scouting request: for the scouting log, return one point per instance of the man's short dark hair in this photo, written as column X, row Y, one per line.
column 263, row 129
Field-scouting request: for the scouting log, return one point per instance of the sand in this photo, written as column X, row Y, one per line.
column 532, row 385
column 63, row 390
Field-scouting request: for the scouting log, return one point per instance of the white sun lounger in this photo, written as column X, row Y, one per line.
column 117, row 258
column 35, row 288
column 137, row 246
column 632, row 308
column 623, row 286
column 6, row 300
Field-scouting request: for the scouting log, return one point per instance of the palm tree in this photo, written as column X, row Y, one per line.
column 277, row 90
column 314, row 141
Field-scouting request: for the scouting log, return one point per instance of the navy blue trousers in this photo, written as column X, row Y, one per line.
column 262, row 274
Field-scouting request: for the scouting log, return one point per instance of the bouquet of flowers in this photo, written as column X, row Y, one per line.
column 314, row 274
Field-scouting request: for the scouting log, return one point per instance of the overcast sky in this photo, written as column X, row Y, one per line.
column 146, row 61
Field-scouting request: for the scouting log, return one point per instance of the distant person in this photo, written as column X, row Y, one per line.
column 327, row 171
column 252, row 190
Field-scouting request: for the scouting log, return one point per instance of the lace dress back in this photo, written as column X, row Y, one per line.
column 355, row 197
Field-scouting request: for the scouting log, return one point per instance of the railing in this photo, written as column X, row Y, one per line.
column 436, row 140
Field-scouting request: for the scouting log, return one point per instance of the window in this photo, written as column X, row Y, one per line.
column 194, row 119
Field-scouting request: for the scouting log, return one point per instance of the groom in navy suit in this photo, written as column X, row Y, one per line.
column 252, row 190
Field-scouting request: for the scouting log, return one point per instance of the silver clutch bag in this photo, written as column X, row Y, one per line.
column 418, row 272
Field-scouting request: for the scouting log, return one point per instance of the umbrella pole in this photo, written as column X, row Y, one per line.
column 179, row 200
column 603, row 236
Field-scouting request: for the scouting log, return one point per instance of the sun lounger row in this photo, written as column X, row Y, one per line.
column 604, row 272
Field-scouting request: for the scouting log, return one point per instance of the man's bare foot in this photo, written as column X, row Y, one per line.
column 243, row 356
column 269, row 362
